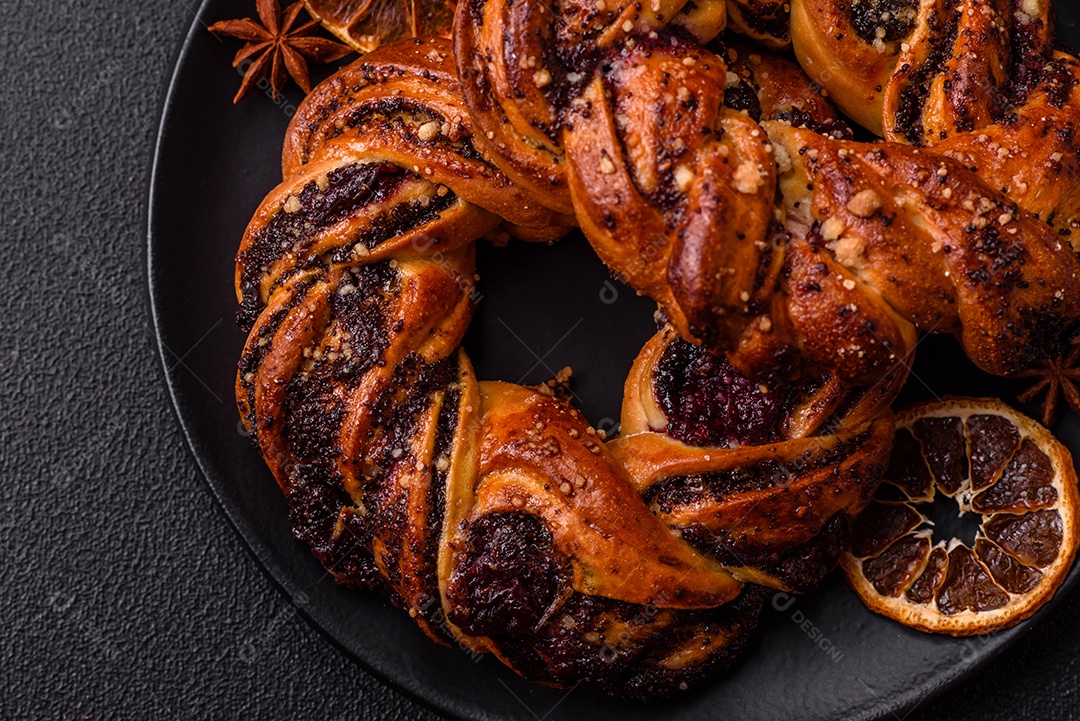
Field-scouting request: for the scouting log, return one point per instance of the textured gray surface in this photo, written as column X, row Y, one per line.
column 123, row 591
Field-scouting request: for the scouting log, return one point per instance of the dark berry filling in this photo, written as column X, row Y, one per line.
column 510, row 576
column 709, row 403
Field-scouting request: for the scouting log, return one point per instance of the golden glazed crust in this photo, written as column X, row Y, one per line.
column 918, row 239
column 978, row 81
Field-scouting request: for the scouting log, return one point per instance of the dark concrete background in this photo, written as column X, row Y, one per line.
column 125, row 594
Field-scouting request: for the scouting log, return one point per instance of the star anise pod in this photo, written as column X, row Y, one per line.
column 1057, row 378
column 276, row 47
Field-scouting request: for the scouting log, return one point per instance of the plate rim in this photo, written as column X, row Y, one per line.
column 898, row 705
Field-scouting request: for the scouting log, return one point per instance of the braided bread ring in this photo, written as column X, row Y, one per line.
column 493, row 513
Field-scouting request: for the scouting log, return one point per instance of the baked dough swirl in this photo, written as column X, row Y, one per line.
column 977, row 80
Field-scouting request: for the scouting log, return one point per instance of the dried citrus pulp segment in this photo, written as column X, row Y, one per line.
column 996, row 463
column 367, row 24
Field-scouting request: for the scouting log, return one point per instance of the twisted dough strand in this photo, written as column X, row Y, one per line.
column 978, row 80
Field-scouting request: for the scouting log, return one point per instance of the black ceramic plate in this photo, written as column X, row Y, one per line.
column 819, row 657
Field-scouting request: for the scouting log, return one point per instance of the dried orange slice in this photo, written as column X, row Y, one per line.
column 367, row 24
column 997, row 469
